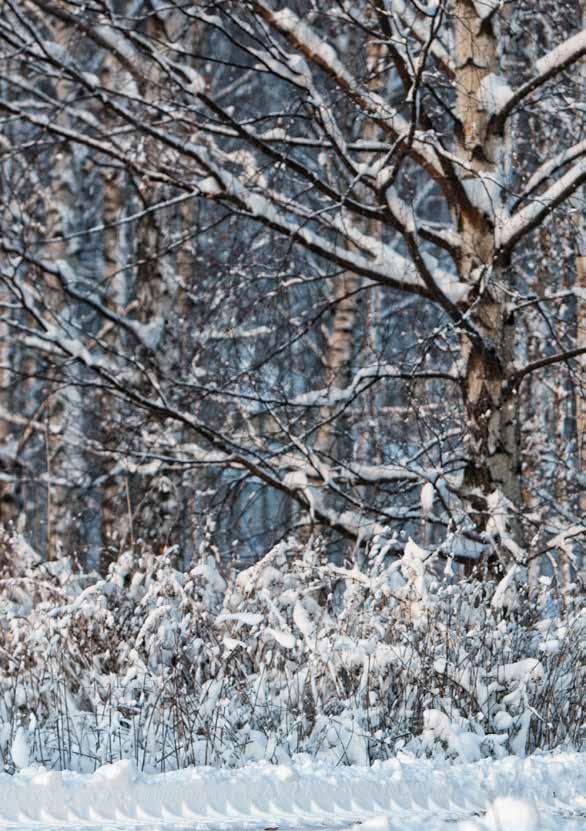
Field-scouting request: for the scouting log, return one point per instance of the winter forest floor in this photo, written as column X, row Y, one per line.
column 545, row 791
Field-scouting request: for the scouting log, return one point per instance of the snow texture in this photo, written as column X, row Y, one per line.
column 20, row 754
column 562, row 54
column 494, row 93
column 544, row 792
column 427, row 497
column 485, row 8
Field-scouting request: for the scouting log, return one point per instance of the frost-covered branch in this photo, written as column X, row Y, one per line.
column 549, row 168
column 515, row 228
column 549, row 66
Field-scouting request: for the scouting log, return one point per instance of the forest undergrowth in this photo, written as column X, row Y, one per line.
column 294, row 655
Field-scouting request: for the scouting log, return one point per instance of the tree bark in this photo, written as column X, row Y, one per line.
column 581, row 322
column 338, row 355
column 342, row 338
column 492, row 429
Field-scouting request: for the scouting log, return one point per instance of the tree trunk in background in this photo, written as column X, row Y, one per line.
column 338, row 355
column 342, row 339
column 540, row 418
column 581, row 323
column 581, row 385
column 8, row 504
column 115, row 519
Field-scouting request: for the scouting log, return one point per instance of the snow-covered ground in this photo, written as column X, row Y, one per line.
column 541, row 792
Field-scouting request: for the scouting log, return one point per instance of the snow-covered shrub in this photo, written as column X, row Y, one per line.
column 293, row 655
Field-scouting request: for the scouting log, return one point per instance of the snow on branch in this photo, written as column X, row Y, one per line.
column 384, row 265
column 417, row 25
column 514, row 228
column 225, row 451
column 547, row 67
column 325, row 397
column 551, row 167
column 108, row 148
column 304, row 39
column 62, row 272
column 104, row 35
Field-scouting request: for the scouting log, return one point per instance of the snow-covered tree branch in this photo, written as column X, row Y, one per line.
column 296, row 260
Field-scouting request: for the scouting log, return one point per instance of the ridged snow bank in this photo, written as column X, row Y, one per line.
column 546, row 791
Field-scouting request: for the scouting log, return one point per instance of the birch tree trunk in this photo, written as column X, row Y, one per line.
column 581, row 385
column 338, row 354
column 581, row 317
column 581, row 323
column 342, row 338
column 490, row 400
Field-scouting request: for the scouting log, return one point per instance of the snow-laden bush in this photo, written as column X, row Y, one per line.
column 293, row 655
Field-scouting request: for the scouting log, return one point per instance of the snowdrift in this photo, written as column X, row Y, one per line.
column 545, row 791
